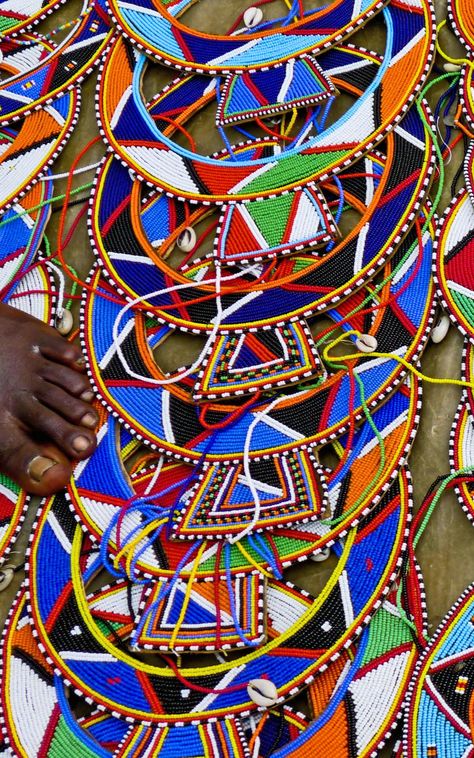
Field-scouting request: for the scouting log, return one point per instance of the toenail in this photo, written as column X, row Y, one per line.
column 38, row 467
column 90, row 419
column 87, row 396
column 81, row 361
column 80, row 444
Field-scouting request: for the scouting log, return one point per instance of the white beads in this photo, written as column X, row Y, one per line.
column 441, row 329
column 366, row 343
column 187, row 240
column 253, row 17
column 263, row 692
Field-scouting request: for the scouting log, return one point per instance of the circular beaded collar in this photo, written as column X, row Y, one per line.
column 61, row 734
column 439, row 714
column 347, row 492
column 44, row 72
column 93, row 664
column 165, row 417
column 183, row 173
column 462, row 454
column 120, row 222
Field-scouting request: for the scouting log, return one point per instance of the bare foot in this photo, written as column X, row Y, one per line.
column 46, row 419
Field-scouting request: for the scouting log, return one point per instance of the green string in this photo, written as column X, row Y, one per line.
column 381, row 466
column 45, row 202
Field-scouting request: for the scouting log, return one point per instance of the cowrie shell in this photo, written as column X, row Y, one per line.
column 253, row 17
column 64, row 322
column 263, row 692
column 187, row 240
column 451, row 67
column 366, row 343
column 6, row 577
column 441, row 329
column 323, row 555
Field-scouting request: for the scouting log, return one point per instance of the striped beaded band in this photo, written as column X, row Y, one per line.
column 154, row 27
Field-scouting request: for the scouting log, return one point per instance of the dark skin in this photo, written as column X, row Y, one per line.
column 46, row 417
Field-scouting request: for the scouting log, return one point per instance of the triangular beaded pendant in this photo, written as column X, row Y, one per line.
column 298, row 83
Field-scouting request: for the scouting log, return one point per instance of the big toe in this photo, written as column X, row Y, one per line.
column 39, row 468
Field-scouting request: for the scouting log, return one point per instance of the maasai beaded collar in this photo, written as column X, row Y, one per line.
column 439, row 714
column 92, row 663
column 155, row 28
column 454, row 272
column 21, row 234
column 349, row 496
column 58, row 733
column 462, row 21
column 186, row 174
column 168, row 420
column 13, row 20
column 41, row 79
column 13, row 505
column 25, row 155
column 120, row 225
column 375, row 681
column 461, row 450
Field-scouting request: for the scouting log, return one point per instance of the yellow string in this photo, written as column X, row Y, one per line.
column 457, row 61
column 391, row 356
column 187, row 596
column 129, row 547
column 254, row 563
column 290, row 126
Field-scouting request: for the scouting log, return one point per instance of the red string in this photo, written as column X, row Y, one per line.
column 229, row 419
column 180, row 127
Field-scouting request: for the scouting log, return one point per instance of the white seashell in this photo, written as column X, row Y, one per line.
column 253, row 17
column 187, row 240
column 441, row 328
column 263, row 692
column 451, row 67
column 366, row 343
column 323, row 555
column 64, row 322
column 6, row 577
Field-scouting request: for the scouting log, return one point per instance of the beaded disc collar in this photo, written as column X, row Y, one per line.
column 91, row 661
column 347, row 492
column 157, row 158
column 45, row 72
column 168, row 420
column 119, row 226
column 59, row 733
column 439, row 713
column 25, row 155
